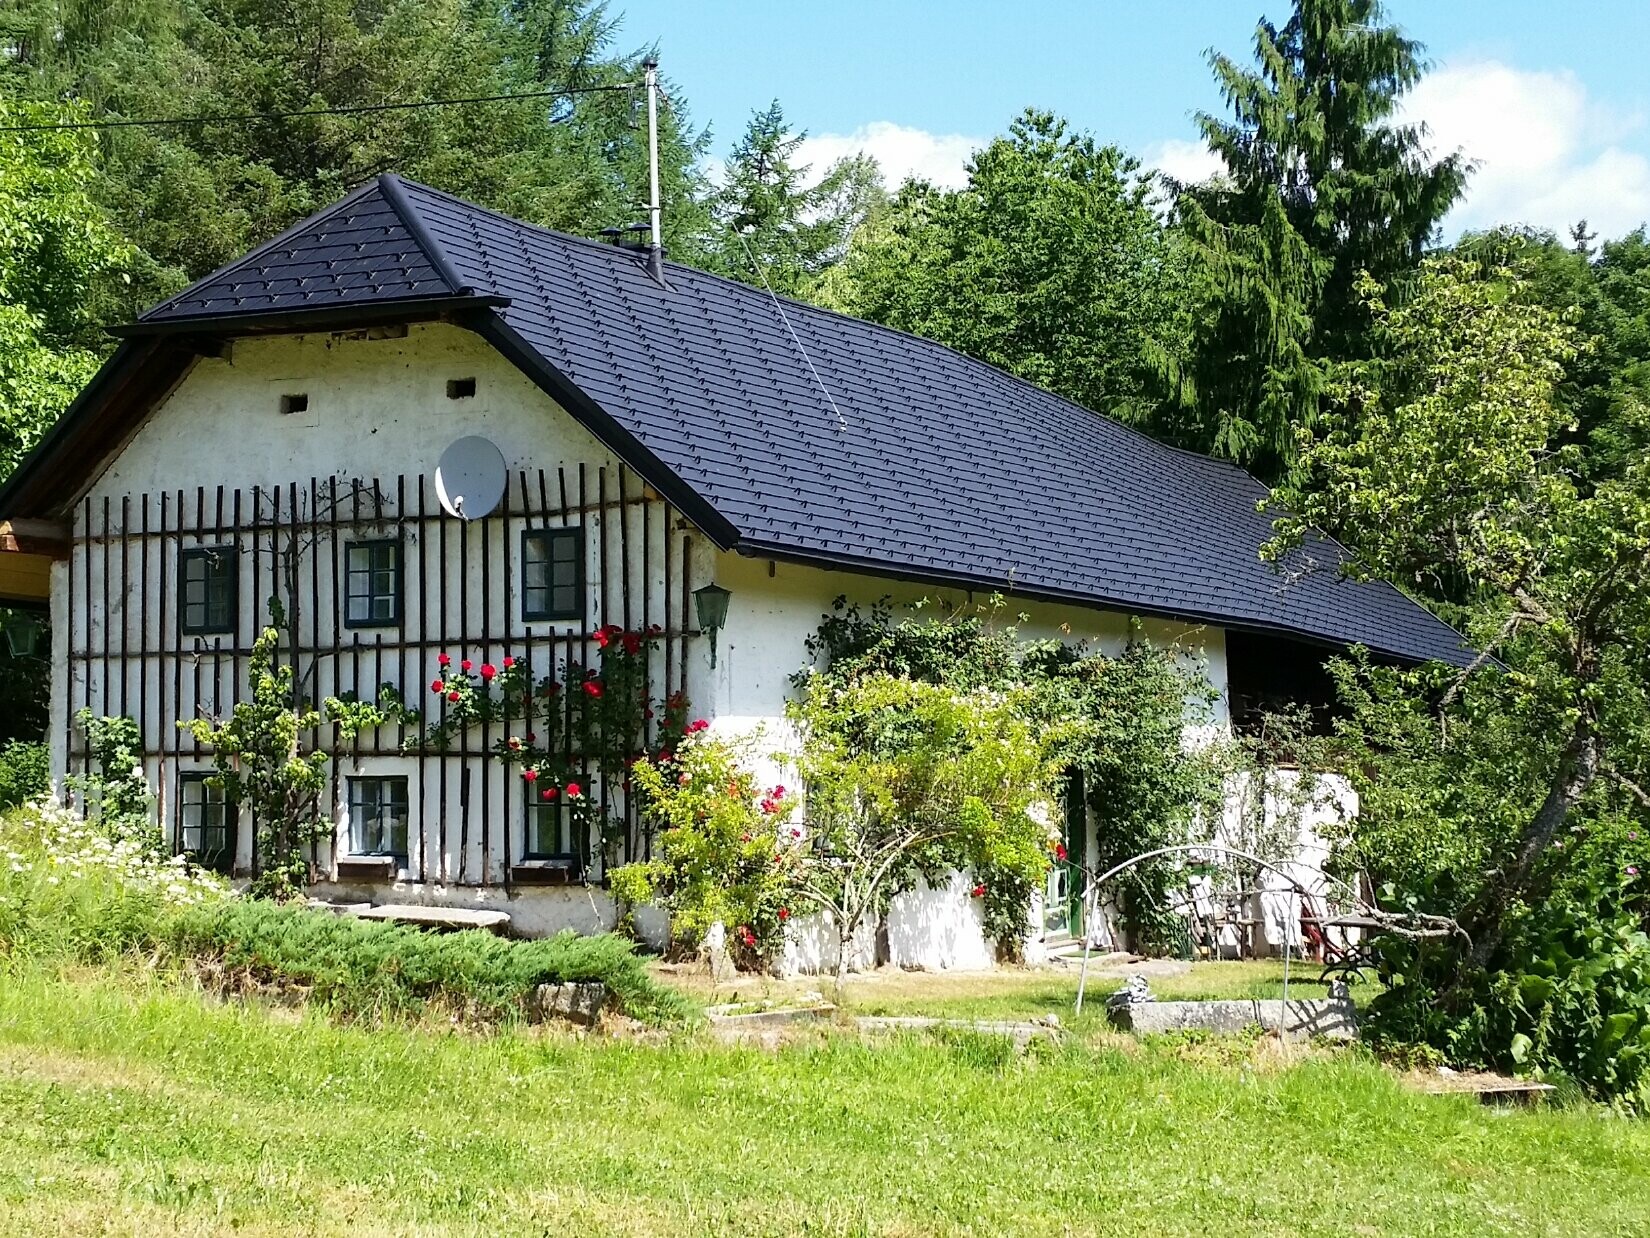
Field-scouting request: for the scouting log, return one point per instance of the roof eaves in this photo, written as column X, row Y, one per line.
column 351, row 313
column 519, row 352
column 836, row 561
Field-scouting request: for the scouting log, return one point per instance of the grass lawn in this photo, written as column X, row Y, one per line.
column 130, row 1107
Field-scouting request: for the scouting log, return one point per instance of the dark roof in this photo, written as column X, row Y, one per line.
column 919, row 462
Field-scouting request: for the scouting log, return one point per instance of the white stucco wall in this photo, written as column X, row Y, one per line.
column 378, row 411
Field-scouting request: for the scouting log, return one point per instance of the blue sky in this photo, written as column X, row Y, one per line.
column 1553, row 99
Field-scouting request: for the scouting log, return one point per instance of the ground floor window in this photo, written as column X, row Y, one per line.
column 206, row 822
column 549, row 831
column 378, row 816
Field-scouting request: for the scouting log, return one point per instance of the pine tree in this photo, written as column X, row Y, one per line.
column 773, row 226
column 1320, row 184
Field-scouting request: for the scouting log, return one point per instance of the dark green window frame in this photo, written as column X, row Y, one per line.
column 208, row 590
column 378, row 816
column 548, row 832
column 375, row 583
column 556, row 557
column 208, row 826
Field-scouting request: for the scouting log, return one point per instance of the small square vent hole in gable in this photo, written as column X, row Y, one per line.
column 294, row 403
column 460, row 388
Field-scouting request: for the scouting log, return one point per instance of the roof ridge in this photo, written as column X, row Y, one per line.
column 274, row 242
column 389, row 184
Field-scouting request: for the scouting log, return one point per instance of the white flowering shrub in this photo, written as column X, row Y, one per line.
column 69, row 889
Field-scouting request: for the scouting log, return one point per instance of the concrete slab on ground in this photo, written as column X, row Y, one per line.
column 438, row 917
column 1335, row 1018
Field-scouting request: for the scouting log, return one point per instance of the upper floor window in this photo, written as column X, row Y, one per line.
column 552, row 574
column 206, row 590
column 372, row 580
column 206, row 822
column 378, row 816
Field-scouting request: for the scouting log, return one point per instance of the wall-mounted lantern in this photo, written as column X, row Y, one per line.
column 23, row 628
column 710, row 602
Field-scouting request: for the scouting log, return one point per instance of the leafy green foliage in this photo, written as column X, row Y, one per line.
column 58, row 258
column 775, row 229
column 1320, row 188
column 724, row 851
column 364, row 970
column 1451, row 464
column 1118, row 722
column 196, row 196
column 903, row 776
column 261, row 765
column 1050, row 263
column 117, row 794
column 25, row 772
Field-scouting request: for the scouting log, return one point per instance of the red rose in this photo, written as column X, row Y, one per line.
column 464, row 665
column 508, row 662
column 531, row 736
column 778, row 792
column 514, row 743
column 746, row 936
column 667, row 755
column 551, row 687
column 443, row 660
column 453, row 697
column 647, row 713
column 784, row 913
column 654, row 629
column 1059, row 851
column 600, row 637
column 531, row 775
column 979, row 891
column 437, row 686
column 548, row 793
column 488, row 670
column 632, row 643
column 593, row 687
column 574, row 789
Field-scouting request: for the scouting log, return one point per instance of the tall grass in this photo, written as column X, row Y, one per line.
column 68, row 893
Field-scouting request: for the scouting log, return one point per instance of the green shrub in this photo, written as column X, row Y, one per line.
column 363, row 969
column 25, row 772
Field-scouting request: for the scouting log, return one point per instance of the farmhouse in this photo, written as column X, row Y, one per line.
column 684, row 458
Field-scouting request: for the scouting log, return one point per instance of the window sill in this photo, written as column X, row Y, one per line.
column 379, row 867
column 546, row 871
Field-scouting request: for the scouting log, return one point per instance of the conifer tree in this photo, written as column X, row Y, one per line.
column 1321, row 183
column 772, row 224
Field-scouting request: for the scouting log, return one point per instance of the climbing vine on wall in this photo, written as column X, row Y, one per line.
column 1117, row 719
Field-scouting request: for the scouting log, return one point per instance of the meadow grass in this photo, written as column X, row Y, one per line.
column 131, row 1105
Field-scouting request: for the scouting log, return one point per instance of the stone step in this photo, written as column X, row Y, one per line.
column 438, row 917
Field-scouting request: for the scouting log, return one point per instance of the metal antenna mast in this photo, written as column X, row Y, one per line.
column 656, row 249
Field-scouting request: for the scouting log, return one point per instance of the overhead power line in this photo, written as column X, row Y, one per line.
column 360, row 109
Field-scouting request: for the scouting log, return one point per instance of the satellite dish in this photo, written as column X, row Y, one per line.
column 470, row 479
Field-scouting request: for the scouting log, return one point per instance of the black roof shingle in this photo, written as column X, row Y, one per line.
column 811, row 435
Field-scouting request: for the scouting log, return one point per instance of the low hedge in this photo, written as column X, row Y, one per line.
column 365, row 969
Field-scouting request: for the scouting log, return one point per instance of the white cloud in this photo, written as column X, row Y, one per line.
column 902, row 152
column 1187, row 162
column 1546, row 154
